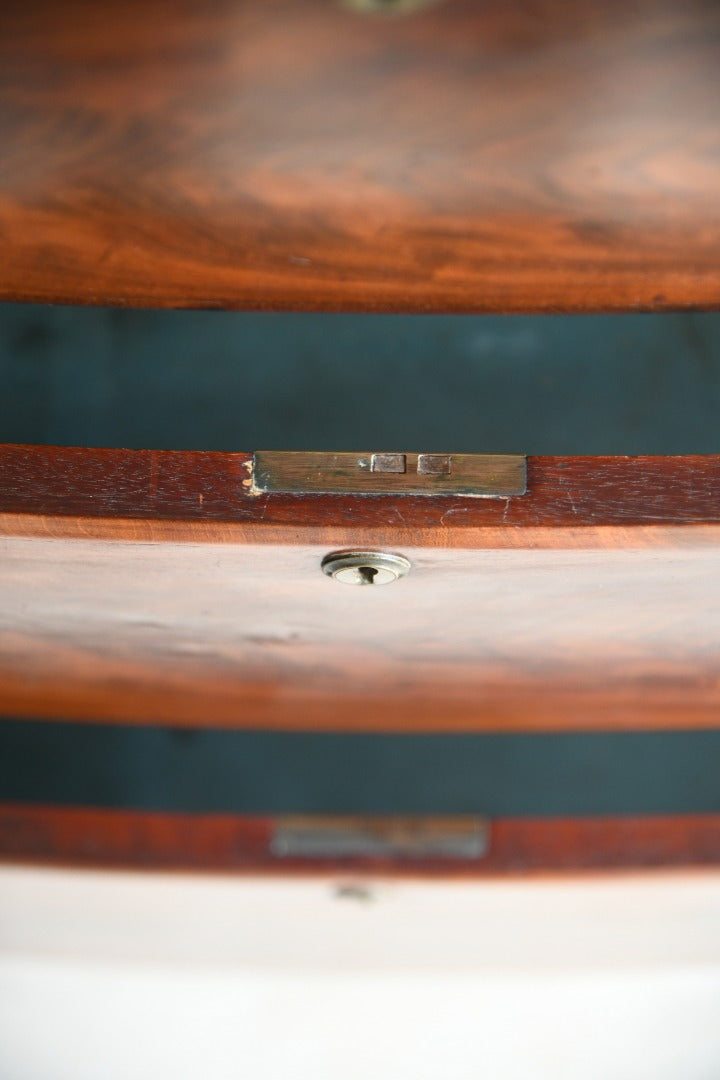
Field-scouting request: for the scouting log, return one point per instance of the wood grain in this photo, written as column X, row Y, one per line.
column 474, row 156
column 145, row 495
column 145, row 587
column 123, row 838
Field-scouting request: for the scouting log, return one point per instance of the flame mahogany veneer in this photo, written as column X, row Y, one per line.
column 476, row 155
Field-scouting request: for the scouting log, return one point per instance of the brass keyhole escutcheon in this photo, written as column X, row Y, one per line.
column 365, row 567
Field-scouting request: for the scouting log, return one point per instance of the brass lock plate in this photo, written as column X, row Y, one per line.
column 484, row 476
column 452, row 838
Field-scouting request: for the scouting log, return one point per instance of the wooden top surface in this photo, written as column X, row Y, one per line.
column 471, row 156
column 153, row 588
column 256, row 636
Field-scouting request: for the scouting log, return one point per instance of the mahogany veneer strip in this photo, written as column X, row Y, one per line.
column 200, row 496
column 122, row 838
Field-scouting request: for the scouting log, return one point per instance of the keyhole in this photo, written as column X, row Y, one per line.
column 365, row 567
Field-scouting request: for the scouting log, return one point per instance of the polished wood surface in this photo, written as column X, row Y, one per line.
column 255, row 635
column 145, row 588
column 140, row 495
column 121, row 838
column 470, row 156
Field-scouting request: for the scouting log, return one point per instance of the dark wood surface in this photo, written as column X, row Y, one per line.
column 152, row 587
column 121, row 838
column 182, row 495
column 472, row 156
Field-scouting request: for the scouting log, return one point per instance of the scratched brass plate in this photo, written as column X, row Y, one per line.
column 388, row 473
column 464, row 838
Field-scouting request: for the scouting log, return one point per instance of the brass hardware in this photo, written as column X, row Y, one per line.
column 435, row 464
column 488, row 476
column 464, row 838
column 386, row 7
column 394, row 463
column 365, row 567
